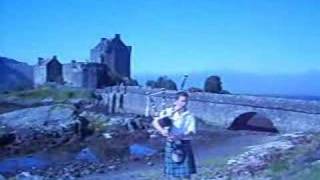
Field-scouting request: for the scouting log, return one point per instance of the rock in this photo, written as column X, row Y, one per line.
column 40, row 117
column 135, row 123
column 70, row 177
column 107, row 135
column 106, row 148
column 316, row 163
column 96, row 122
column 147, row 158
column 150, row 163
column 27, row 176
column 78, row 101
column 112, row 167
column 77, row 174
column 37, row 128
column 134, row 158
column 2, row 177
column 116, row 121
column 260, row 157
column 48, row 100
column 101, row 171
column 151, row 131
column 153, row 136
column 85, row 172
column 87, row 155
column 7, row 138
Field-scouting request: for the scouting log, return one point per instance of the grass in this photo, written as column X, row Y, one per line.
column 98, row 121
column 279, row 166
column 98, row 126
column 58, row 94
column 2, row 130
column 313, row 174
column 154, row 175
column 217, row 162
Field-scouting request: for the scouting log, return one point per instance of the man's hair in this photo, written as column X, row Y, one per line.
column 182, row 93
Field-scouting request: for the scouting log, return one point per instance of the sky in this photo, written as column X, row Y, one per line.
column 170, row 36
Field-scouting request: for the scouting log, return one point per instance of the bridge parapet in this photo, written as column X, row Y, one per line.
column 287, row 115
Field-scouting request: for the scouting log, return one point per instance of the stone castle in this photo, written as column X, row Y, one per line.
column 109, row 64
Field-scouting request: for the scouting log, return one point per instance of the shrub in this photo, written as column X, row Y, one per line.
column 213, row 84
column 162, row 82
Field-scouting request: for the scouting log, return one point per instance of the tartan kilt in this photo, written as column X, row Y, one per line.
column 185, row 168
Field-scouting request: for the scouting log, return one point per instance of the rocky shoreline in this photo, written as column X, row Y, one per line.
column 262, row 161
column 272, row 160
column 58, row 134
column 69, row 127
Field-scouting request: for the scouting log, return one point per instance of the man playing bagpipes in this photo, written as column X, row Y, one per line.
column 178, row 125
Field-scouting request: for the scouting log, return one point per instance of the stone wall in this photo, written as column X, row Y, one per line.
column 87, row 75
column 95, row 75
column 54, row 71
column 73, row 74
column 39, row 75
column 99, row 51
column 287, row 115
column 49, row 70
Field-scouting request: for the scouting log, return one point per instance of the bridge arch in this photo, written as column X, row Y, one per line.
column 254, row 121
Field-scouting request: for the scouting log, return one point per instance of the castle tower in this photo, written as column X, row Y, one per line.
column 115, row 54
column 48, row 70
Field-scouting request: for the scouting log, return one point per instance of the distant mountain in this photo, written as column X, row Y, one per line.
column 15, row 75
column 302, row 86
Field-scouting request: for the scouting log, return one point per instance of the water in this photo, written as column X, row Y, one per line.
column 45, row 159
column 11, row 165
column 42, row 160
column 141, row 150
column 206, row 146
column 87, row 154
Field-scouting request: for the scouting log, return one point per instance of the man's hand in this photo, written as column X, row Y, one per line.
column 179, row 137
column 175, row 137
column 165, row 132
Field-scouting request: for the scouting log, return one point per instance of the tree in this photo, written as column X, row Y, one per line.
column 162, row 82
column 213, row 84
column 151, row 83
column 130, row 82
column 165, row 82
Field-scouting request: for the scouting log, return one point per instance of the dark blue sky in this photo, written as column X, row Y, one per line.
column 170, row 36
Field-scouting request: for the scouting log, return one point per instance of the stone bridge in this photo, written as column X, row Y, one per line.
column 226, row 111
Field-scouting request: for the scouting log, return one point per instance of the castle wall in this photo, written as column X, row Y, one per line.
column 54, row 72
column 95, row 75
column 99, row 51
column 115, row 54
column 122, row 62
column 95, row 55
column 73, row 75
column 39, row 75
column 108, row 55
